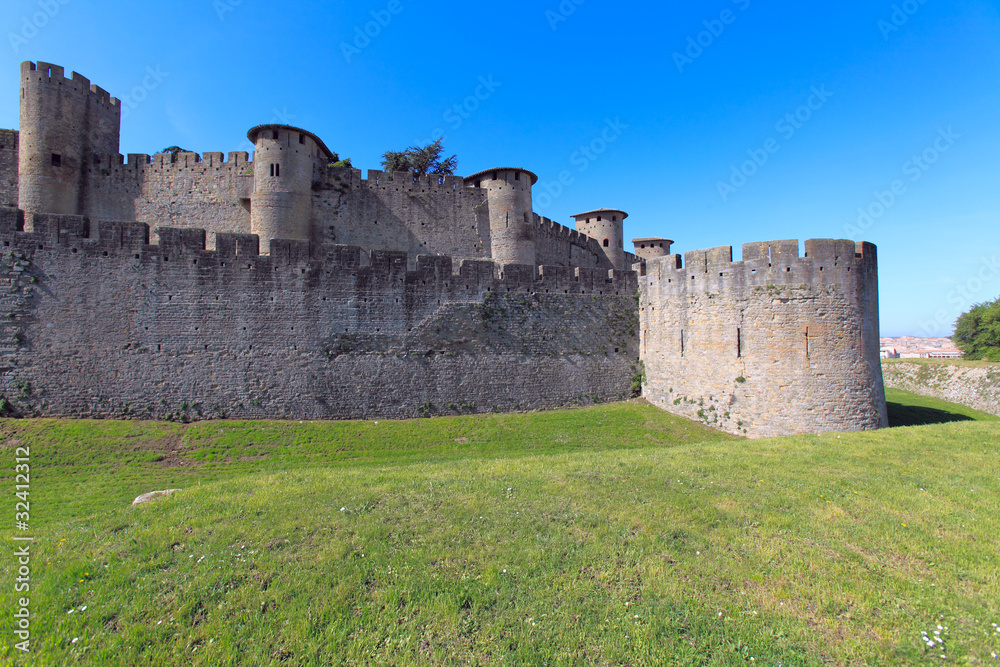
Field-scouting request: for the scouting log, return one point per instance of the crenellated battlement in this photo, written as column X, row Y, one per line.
column 187, row 160
column 185, row 247
column 825, row 261
column 403, row 179
column 49, row 74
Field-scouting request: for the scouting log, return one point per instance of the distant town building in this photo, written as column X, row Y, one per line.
column 916, row 347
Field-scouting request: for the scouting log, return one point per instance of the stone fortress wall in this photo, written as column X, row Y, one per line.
column 115, row 327
column 8, row 167
column 771, row 345
column 285, row 287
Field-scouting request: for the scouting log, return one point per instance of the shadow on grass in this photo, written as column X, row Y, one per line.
column 917, row 415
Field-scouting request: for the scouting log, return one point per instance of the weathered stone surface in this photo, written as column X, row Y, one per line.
column 118, row 328
column 8, row 167
column 975, row 386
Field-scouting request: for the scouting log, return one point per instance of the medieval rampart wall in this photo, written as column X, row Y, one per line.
column 105, row 325
column 185, row 190
column 417, row 215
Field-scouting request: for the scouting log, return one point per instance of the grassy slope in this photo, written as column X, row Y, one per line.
column 600, row 536
column 909, row 409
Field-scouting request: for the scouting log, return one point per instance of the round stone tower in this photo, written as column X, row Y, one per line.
column 605, row 225
column 66, row 124
column 651, row 248
column 286, row 162
column 512, row 226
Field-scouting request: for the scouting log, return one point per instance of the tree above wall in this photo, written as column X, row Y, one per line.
column 420, row 160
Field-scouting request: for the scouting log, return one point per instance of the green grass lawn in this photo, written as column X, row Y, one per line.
column 615, row 535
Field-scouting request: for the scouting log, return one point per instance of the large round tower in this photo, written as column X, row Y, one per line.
column 286, row 162
column 65, row 123
column 605, row 225
column 512, row 228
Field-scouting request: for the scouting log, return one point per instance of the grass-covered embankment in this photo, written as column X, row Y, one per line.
column 972, row 383
column 604, row 536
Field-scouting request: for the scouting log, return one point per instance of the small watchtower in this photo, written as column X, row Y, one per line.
column 607, row 226
column 512, row 232
column 287, row 160
column 67, row 126
column 651, row 248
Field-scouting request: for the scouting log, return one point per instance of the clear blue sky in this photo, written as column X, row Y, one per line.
column 560, row 75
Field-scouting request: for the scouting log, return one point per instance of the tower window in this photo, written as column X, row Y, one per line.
column 277, row 170
column 599, row 218
column 56, row 160
column 272, row 170
column 274, row 135
column 607, row 243
column 614, row 218
column 517, row 175
column 302, row 138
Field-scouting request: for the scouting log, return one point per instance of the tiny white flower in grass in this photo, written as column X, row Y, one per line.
column 75, row 640
column 636, row 616
column 159, row 622
column 83, row 608
column 720, row 613
column 71, row 611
